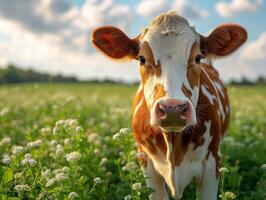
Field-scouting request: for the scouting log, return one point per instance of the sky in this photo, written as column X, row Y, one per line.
column 54, row 35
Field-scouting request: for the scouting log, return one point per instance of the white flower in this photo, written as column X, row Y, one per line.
column 4, row 111
column 103, row 161
column 59, row 150
column 72, row 122
column 46, row 174
column 124, row 131
column 97, row 180
column 28, row 160
column 230, row 195
column 128, row 197
column 92, row 137
column 73, row 195
column 46, row 130
column 67, row 142
column 5, row 141
column 115, row 136
column 36, row 143
column 59, row 123
column 136, row 186
column 65, row 169
column 96, row 151
column 79, row 130
column 50, row 182
column 61, row 176
column 27, row 156
column 17, row 149
column 130, row 166
column 18, row 175
column 21, row 188
column 56, row 130
column 73, row 156
column 32, row 162
column 263, row 166
column 109, row 173
column 53, row 143
column 223, row 170
column 6, row 159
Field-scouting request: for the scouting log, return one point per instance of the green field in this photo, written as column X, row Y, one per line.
column 56, row 142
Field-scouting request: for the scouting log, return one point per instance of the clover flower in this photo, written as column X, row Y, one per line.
column 79, row 130
column 28, row 160
column 5, row 141
column 6, row 159
column 122, row 131
column 34, row 144
column 97, row 180
column 73, row 195
column 61, row 176
column 50, row 182
column 46, row 130
column 223, row 170
column 128, row 197
column 230, row 195
column 53, row 143
column 67, row 142
column 21, row 188
column 136, row 186
column 46, row 174
column 263, row 166
column 103, row 161
column 73, row 156
column 17, row 150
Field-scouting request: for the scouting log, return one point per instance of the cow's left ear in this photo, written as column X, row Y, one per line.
column 114, row 43
column 223, row 40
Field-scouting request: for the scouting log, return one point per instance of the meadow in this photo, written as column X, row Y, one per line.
column 74, row 141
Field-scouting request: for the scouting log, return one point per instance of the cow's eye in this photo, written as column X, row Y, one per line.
column 198, row 59
column 142, row 60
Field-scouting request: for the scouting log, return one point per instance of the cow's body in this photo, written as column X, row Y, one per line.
column 181, row 110
column 180, row 157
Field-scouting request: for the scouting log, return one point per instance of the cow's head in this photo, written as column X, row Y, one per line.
column 169, row 53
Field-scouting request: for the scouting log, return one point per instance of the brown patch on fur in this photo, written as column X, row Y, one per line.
column 150, row 67
column 224, row 40
column 193, row 69
column 114, row 43
column 158, row 92
column 186, row 91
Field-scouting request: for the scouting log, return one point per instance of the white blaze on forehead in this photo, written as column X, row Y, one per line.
column 170, row 38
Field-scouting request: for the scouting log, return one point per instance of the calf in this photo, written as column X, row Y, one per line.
column 181, row 110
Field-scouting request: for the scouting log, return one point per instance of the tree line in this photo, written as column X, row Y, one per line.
column 14, row 74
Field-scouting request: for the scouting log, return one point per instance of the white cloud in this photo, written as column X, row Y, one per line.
column 249, row 61
column 189, row 10
column 151, row 8
column 66, row 49
column 235, row 7
column 256, row 50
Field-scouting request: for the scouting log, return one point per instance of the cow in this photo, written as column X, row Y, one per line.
column 181, row 110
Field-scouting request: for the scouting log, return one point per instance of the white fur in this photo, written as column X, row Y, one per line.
column 207, row 94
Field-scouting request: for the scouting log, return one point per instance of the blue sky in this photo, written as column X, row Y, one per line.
column 53, row 35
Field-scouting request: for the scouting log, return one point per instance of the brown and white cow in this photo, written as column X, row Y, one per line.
column 181, row 110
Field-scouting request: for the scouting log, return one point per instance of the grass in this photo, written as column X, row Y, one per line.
column 56, row 142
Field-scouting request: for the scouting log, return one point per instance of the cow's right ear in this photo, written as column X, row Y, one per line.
column 114, row 43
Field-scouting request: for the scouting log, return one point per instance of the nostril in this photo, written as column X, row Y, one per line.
column 182, row 108
column 161, row 111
